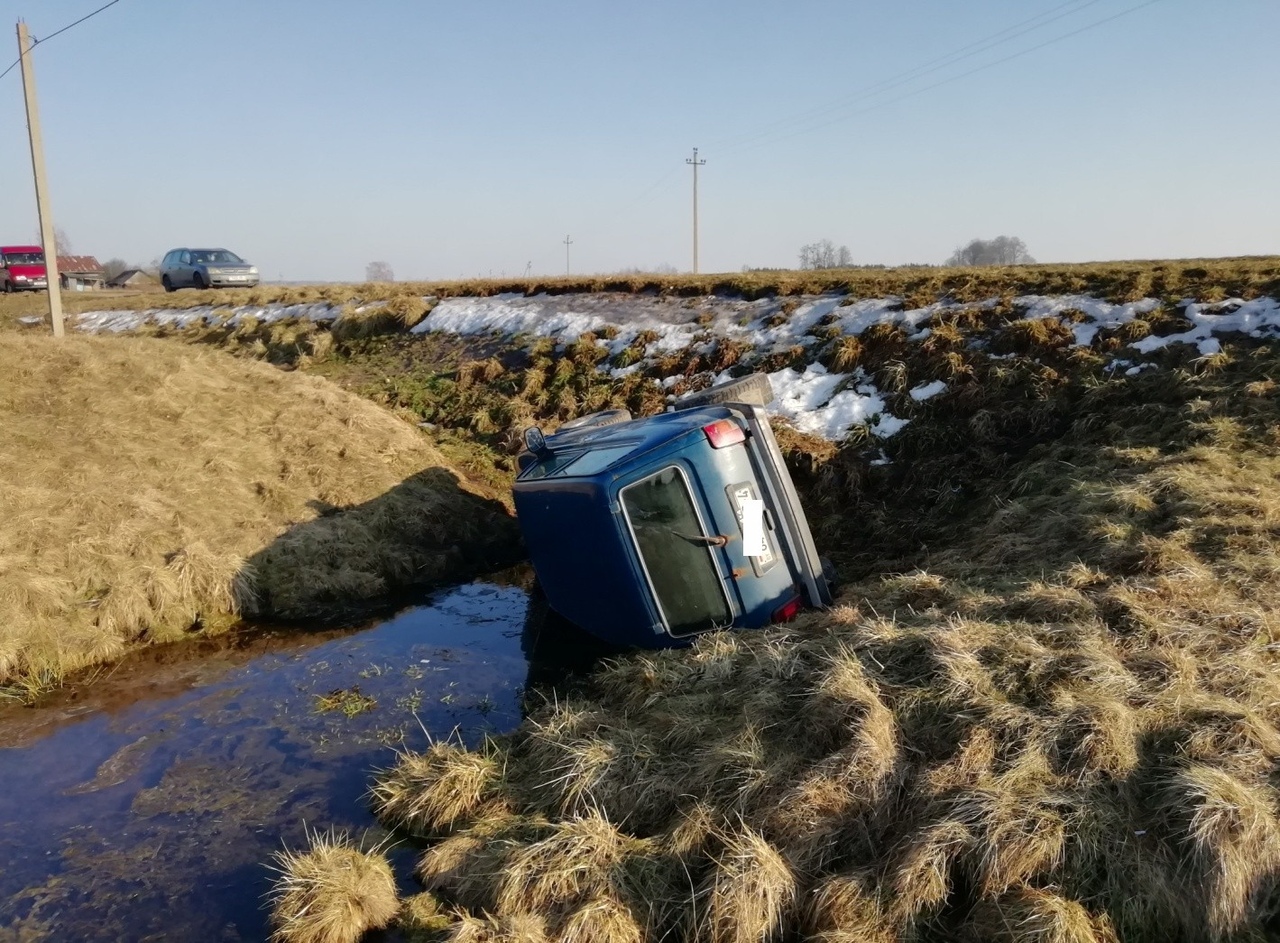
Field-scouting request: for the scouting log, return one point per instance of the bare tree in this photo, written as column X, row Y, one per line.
column 61, row 241
column 379, row 272
column 113, row 267
column 824, row 254
column 1002, row 250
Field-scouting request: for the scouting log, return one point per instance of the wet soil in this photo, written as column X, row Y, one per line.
column 147, row 805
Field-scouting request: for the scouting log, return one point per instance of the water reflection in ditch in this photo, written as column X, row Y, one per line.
column 146, row 809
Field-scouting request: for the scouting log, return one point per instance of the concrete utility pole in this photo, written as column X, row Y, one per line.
column 567, row 244
column 696, row 164
column 25, row 46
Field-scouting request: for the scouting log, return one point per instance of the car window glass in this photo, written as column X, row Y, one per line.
column 681, row 570
column 185, row 258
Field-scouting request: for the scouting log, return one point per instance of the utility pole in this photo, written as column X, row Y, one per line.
column 567, row 244
column 696, row 164
column 25, row 45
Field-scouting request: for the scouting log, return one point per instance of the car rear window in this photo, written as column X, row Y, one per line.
column 680, row 568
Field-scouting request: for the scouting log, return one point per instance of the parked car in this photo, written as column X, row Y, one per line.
column 646, row 532
column 22, row 268
column 205, row 268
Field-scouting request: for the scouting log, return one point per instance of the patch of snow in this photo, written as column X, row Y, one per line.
column 927, row 390
column 117, row 322
column 30, row 319
column 811, row 404
column 887, row 425
column 1098, row 313
column 1257, row 318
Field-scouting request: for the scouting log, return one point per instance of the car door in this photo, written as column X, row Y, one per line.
column 184, row 269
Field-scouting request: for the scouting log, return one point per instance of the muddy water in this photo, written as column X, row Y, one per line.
column 146, row 807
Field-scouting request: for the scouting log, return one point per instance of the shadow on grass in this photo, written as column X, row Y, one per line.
column 357, row 560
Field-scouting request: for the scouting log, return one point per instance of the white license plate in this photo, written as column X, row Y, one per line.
column 235, row 278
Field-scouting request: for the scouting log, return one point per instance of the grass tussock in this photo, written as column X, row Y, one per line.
column 334, row 892
column 1045, row 708
column 150, row 489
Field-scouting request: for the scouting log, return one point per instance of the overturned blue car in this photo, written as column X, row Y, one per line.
column 647, row 532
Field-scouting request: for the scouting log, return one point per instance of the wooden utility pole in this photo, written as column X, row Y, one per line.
column 567, row 244
column 696, row 164
column 25, row 46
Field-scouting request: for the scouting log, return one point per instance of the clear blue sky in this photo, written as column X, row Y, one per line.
column 467, row 138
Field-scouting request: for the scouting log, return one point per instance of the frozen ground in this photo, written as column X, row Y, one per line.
column 815, row 400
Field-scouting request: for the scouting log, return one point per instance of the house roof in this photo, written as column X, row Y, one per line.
column 126, row 275
column 78, row 265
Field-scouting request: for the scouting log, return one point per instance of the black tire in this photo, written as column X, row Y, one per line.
column 8, row 287
column 197, row 282
column 168, row 285
column 829, row 573
column 607, row 417
column 753, row 390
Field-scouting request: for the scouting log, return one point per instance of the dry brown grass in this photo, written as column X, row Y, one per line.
column 149, row 489
column 334, row 892
column 1061, row 722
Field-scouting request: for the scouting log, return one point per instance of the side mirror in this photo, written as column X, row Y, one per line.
column 535, row 441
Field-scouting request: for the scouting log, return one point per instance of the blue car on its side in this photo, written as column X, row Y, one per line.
column 646, row 532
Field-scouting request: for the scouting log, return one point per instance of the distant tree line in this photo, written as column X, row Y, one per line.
column 824, row 254
column 1002, row 250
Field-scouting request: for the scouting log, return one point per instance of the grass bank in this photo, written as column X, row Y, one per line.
column 1045, row 709
column 1207, row 279
column 149, row 490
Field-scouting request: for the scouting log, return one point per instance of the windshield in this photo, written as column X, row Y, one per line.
column 24, row 258
column 215, row 257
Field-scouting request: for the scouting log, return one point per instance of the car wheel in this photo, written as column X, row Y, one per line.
column 753, row 390
column 607, row 417
column 8, row 287
column 197, row 281
column 829, row 573
column 168, row 285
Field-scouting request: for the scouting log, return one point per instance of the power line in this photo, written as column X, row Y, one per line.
column 36, row 42
column 769, row 138
column 978, row 46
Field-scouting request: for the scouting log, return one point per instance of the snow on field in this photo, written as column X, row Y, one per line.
column 116, row 322
column 810, row 401
column 1097, row 313
column 816, row 401
column 1257, row 318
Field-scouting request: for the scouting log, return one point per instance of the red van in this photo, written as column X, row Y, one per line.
column 22, row 267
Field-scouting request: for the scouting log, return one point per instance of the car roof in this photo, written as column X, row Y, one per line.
column 644, row 432
column 21, row 249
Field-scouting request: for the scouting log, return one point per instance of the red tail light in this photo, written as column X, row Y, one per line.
column 788, row 611
column 724, row 432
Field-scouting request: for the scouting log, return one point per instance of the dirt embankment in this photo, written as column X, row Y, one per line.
column 149, row 490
